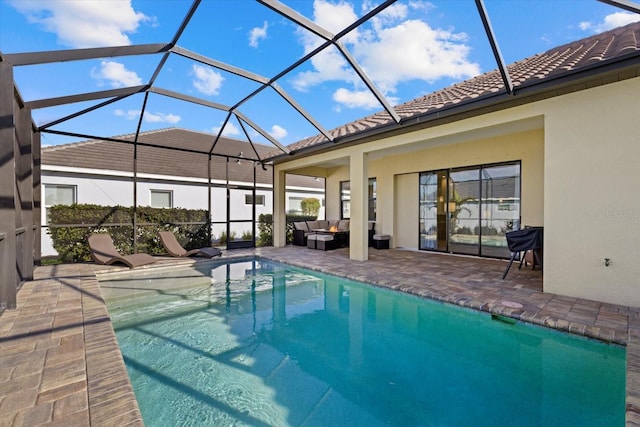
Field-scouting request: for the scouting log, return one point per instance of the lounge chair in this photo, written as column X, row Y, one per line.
column 174, row 248
column 104, row 252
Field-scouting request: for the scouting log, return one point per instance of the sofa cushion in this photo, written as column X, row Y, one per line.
column 324, row 237
column 323, row 224
column 343, row 225
column 313, row 225
column 300, row 226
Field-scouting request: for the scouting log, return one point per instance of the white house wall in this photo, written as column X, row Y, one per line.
column 117, row 189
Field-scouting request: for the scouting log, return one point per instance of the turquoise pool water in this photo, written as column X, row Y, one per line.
column 253, row 342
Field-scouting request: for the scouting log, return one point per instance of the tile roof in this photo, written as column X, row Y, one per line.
column 117, row 156
column 601, row 49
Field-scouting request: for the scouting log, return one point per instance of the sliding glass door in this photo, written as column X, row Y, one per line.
column 464, row 211
column 469, row 210
column 433, row 210
column 500, row 208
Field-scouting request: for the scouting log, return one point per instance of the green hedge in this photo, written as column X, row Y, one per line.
column 71, row 225
column 265, row 227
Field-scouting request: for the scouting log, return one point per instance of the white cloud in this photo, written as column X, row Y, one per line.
column 329, row 65
column 258, row 33
column 356, row 98
column 115, row 74
column 148, row 117
column 229, row 130
column 613, row 20
column 427, row 53
column 392, row 14
column 584, row 26
column 161, row 118
column 207, row 80
column 83, row 24
column 129, row 114
column 278, row 132
column 333, row 17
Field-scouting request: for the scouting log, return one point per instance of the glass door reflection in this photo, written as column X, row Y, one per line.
column 433, row 210
column 464, row 211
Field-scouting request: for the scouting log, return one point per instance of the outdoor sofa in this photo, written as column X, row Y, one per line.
column 302, row 229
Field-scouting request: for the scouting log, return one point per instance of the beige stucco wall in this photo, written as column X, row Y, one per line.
column 580, row 156
column 405, row 211
column 592, row 197
column 397, row 178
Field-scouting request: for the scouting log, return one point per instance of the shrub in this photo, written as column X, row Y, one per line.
column 310, row 206
column 486, row 230
column 265, row 230
column 71, row 225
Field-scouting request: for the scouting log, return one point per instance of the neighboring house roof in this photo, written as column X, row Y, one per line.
column 604, row 49
column 118, row 156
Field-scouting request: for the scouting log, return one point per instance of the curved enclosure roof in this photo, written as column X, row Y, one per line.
column 290, row 74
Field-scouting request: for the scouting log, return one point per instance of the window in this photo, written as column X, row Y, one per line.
column 295, row 205
column 58, row 194
column 248, row 199
column 345, row 199
column 372, row 199
column 507, row 207
column 161, row 198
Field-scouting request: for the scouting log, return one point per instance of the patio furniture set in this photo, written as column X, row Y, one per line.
column 326, row 235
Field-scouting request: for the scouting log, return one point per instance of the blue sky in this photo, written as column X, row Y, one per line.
column 412, row 48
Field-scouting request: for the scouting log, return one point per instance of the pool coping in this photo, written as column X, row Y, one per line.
column 102, row 375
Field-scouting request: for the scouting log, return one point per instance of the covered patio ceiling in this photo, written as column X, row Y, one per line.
column 260, row 93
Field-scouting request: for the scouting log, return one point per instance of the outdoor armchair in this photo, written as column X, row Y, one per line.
column 300, row 233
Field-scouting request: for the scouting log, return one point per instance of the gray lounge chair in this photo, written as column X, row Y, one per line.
column 104, row 252
column 174, row 248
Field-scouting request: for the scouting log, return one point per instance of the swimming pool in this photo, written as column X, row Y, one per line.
column 253, row 342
